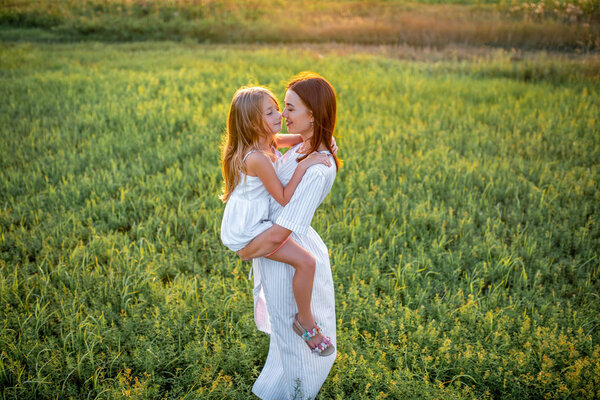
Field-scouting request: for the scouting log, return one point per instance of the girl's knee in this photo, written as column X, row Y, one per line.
column 306, row 263
column 310, row 263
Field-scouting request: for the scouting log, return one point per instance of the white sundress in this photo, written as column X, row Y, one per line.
column 292, row 370
column 246, row 213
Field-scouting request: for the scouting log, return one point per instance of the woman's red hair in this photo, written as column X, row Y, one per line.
column 319, row 97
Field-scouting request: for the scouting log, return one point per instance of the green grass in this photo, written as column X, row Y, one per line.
column 463, row 226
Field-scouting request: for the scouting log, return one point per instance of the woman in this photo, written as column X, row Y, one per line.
column 291, row 369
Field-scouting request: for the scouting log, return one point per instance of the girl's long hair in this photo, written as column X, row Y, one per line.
column 320, row 98
column 245, row 126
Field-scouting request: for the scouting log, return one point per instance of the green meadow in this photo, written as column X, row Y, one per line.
column 463, row 227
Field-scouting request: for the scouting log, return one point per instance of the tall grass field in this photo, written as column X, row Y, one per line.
column 463, row 227
column 572, row 25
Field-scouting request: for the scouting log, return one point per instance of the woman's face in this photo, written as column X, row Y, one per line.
column 298, row 118
column 271, row 115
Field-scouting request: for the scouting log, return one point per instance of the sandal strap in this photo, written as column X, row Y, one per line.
column 307, row 335
column 323, row 345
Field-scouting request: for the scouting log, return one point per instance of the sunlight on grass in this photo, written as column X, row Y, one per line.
column 463, row 226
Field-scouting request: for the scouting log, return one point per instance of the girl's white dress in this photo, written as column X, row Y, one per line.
column 291, row 370
column 247, row 211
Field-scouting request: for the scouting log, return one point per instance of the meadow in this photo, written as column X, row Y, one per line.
column 572, row 25
column 463, row 227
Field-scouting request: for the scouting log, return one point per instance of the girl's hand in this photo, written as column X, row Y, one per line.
column 334, row 147
column 316, row 158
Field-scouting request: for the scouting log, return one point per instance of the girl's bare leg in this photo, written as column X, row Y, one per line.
column 304, row 263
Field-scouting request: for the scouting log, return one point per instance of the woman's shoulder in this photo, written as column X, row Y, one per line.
column 321, row 171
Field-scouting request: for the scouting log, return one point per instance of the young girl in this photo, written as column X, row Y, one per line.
column 249, row 158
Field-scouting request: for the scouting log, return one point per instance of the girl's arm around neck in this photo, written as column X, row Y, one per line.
column 287, row 139
column 258, row 164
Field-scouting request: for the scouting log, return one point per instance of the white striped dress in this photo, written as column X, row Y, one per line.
column 292, row 371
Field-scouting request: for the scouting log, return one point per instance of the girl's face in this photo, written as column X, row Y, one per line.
column 271, row 115
column 298, row 118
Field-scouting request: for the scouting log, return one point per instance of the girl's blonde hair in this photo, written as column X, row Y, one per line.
column 245, row 126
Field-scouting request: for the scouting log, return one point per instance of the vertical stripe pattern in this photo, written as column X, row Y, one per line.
column 292, row 370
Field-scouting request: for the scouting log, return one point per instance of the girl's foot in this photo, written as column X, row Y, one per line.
column 314, row 338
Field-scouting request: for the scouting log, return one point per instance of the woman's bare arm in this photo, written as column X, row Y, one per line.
column 264, row 243
column 287, row 139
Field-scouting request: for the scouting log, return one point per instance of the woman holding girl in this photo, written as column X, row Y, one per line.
column 249, row 159
column 292, row 370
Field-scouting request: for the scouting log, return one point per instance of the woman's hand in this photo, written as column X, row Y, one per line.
column 242, row 254
column 316, row 158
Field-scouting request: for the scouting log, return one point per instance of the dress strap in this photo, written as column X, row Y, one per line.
column 248, row 153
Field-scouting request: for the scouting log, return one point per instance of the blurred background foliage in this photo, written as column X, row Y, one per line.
column 543, row 24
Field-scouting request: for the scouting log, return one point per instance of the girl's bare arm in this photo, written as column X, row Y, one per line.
column 259, row 165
